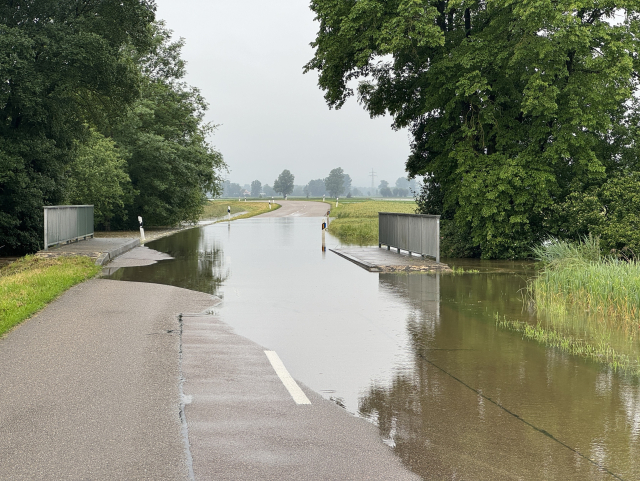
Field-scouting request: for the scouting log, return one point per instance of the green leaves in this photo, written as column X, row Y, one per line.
column 512, row 105
column 284, row 183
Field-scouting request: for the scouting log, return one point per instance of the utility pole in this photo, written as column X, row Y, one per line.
column 373, row 188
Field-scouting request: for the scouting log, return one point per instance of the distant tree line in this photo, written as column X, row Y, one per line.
column 94, row 110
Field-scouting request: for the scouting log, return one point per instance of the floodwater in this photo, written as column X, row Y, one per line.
column 419, row 355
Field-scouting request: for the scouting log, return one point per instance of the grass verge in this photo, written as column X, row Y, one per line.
column 356, row 221
column 30, row 283
column 218, row 208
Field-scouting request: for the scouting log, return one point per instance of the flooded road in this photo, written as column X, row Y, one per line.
column 419, row 355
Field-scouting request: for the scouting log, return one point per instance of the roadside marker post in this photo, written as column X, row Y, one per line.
column 336, row 201
column 229, row 211
column 141, row 229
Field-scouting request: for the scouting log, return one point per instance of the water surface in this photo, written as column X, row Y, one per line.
column 419, row 355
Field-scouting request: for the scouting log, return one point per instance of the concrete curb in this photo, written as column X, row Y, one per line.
column 106, row 257
column 361, row 263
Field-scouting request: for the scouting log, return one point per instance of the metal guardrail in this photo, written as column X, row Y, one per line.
column 417, row 233
column 67, row 223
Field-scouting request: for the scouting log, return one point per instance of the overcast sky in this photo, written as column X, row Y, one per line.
column 247, row 59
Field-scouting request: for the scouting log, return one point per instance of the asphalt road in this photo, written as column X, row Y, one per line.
column 298, row 208
column 90, row 388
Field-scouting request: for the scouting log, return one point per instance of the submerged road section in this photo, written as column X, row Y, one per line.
column 111, row 381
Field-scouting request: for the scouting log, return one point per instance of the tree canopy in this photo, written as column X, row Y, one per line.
column 335, row 182
column 513, row 106
column 93, row 109
column 284, row 183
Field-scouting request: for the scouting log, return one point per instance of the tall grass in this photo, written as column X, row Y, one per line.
column 576, row 277
column 30, row 283
column 357, row 222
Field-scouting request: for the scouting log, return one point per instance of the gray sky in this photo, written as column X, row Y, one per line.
column 247, row 59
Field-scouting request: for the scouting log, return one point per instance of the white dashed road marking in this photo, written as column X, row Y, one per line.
column 296, row 393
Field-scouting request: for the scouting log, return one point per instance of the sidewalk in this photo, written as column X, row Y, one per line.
column 102, row 250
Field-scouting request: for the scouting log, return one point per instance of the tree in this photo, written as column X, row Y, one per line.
column 98, row 176
column 284, row 183
column 335, row 182
column 347, row 183
column 268, row 190
column 63, row 65
column 316, row 188
column 171, row 164
column 513, row 106
column 256, row 188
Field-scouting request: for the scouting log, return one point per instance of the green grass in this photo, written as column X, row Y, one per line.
column 30, row 283
column 599, row 350
column 575, row 277
column 356, row 221
column 218, row 208
column 587, row 304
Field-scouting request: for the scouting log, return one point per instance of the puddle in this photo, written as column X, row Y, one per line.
column 418, row 355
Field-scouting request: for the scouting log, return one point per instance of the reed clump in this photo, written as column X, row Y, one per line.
column 576, row 277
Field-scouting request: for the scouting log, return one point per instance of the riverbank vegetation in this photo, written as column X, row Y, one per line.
column 587, row 304
column 30, row 283
column 507, row 159
column 356, row 221
column 94, row 109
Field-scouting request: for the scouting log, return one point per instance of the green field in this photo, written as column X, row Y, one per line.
column 30, row 283
column 356, row 220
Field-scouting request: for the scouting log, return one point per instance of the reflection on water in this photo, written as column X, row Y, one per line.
column 197, row 265
column 480, row 403
column 417, row 354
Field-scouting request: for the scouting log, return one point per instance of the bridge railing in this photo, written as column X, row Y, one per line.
column 67, row 223
column 415, row 233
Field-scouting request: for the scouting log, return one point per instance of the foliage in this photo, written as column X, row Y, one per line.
column 256, row 188
column 230, row 189
column 62, row 65
column 98, row 176
column 284, row 183
column 171, row 164
column 512, row 106
column 315, row 188
column 609, row 211
column 30, row 283
column 335, row 182
column 576, row 276
column 268, row 190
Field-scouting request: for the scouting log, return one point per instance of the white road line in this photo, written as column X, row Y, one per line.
column 296, row 393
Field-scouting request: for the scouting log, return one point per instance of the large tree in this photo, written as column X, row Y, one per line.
column 335, row 182
column 63, row 64
column 256, row 188
column 171, row 164
column 284, row 183
column 512, row 106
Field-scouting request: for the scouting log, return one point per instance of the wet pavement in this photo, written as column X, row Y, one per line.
column 418, row 355
column 102, row 250
column 375, row 259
